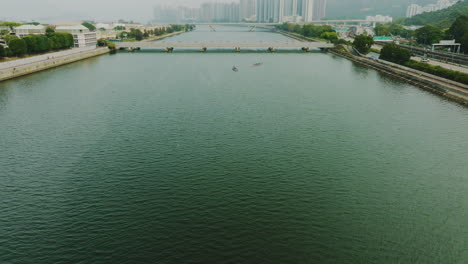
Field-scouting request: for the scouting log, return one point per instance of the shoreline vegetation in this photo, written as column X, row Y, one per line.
column 32, row 45
column 138, row 35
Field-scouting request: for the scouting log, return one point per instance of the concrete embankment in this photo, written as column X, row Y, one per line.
column 164, row 36
column 453, row 90
column 13, row 69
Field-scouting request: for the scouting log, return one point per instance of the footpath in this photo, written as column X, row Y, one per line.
column 16, row 68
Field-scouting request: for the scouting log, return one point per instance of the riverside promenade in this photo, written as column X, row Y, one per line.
column 20, row 67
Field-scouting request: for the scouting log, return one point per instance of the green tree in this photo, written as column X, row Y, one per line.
column 31, row 42
column 2, row 52
column 428, row 35
column 119, row 28
column 332, row 36
column 459, row 30
column 9, row 24
column 382, row 30
column 50, row 31
column 363, row 43
column 4, row 33
column 18, row 47
column 101, row 42
column 9, row 38
column 90, row 26
column 42, row 43
column 393, row 53
column 464, row 43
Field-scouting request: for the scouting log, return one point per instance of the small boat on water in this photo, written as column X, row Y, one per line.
column 257, row 64
column 234, row 68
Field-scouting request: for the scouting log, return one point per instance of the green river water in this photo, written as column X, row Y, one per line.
column 174, row 158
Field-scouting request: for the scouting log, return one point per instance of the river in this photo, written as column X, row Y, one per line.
column 174, row 158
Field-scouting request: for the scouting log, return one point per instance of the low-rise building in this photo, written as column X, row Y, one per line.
column 81, row 35
column 25, row 30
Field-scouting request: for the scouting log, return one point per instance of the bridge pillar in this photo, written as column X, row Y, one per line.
column 237, row 49
column 271, row 49
column 204, row 49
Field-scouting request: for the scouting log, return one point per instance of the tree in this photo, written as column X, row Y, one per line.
column 4, row 33
column 332, row 36
column 18, row 47
column 31, row 42
column 50, row 31
column 459, row 30
column 9, row 38
column 90, row 26
column 101, row 42
column 393, row 53
column 2, row 51
column 428, row 35
column 119, row 28
column 464, row 43
column 381, row 30
column 363, row 43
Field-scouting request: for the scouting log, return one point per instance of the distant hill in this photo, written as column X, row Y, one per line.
column 359, row 9
column 442, row 18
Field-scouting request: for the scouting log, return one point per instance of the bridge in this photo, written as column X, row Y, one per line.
column 314, row 22
column 237, row 46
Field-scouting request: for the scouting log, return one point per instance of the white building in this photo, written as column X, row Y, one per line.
column 247, row 9
column 270, row 11
column 380, row 18
column 413, row 10
column 25, row 30
column 320, row 9
column 81, row 35
column 308, row 10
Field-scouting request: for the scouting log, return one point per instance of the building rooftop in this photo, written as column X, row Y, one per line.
column 38, row 27
column 74, row 27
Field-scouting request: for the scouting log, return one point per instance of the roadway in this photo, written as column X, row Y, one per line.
column 432, row 61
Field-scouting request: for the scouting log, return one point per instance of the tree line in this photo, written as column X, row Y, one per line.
column 138, row 35
column 311, row 31
column 430, row 34
column 34, row 44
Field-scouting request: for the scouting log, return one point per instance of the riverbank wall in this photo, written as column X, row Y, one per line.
column 31, row 65
column 455, row 91
column 163, row 36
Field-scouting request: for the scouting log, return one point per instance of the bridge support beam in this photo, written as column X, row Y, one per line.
column 169, row 49
column 271, row 49
column 237, row 49
column 204, row 49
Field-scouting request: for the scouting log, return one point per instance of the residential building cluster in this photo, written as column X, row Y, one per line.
column 415, row 9
column 263, row 11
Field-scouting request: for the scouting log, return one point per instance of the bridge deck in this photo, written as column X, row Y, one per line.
column 223, row 45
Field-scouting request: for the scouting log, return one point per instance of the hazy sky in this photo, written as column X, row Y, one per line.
column 141, row 10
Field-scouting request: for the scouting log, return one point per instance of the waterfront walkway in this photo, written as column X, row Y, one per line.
column 34, row 59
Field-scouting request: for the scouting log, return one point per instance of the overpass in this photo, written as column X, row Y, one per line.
column 237, row 46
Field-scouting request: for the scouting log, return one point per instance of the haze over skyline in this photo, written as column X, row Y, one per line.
column 142, row 10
